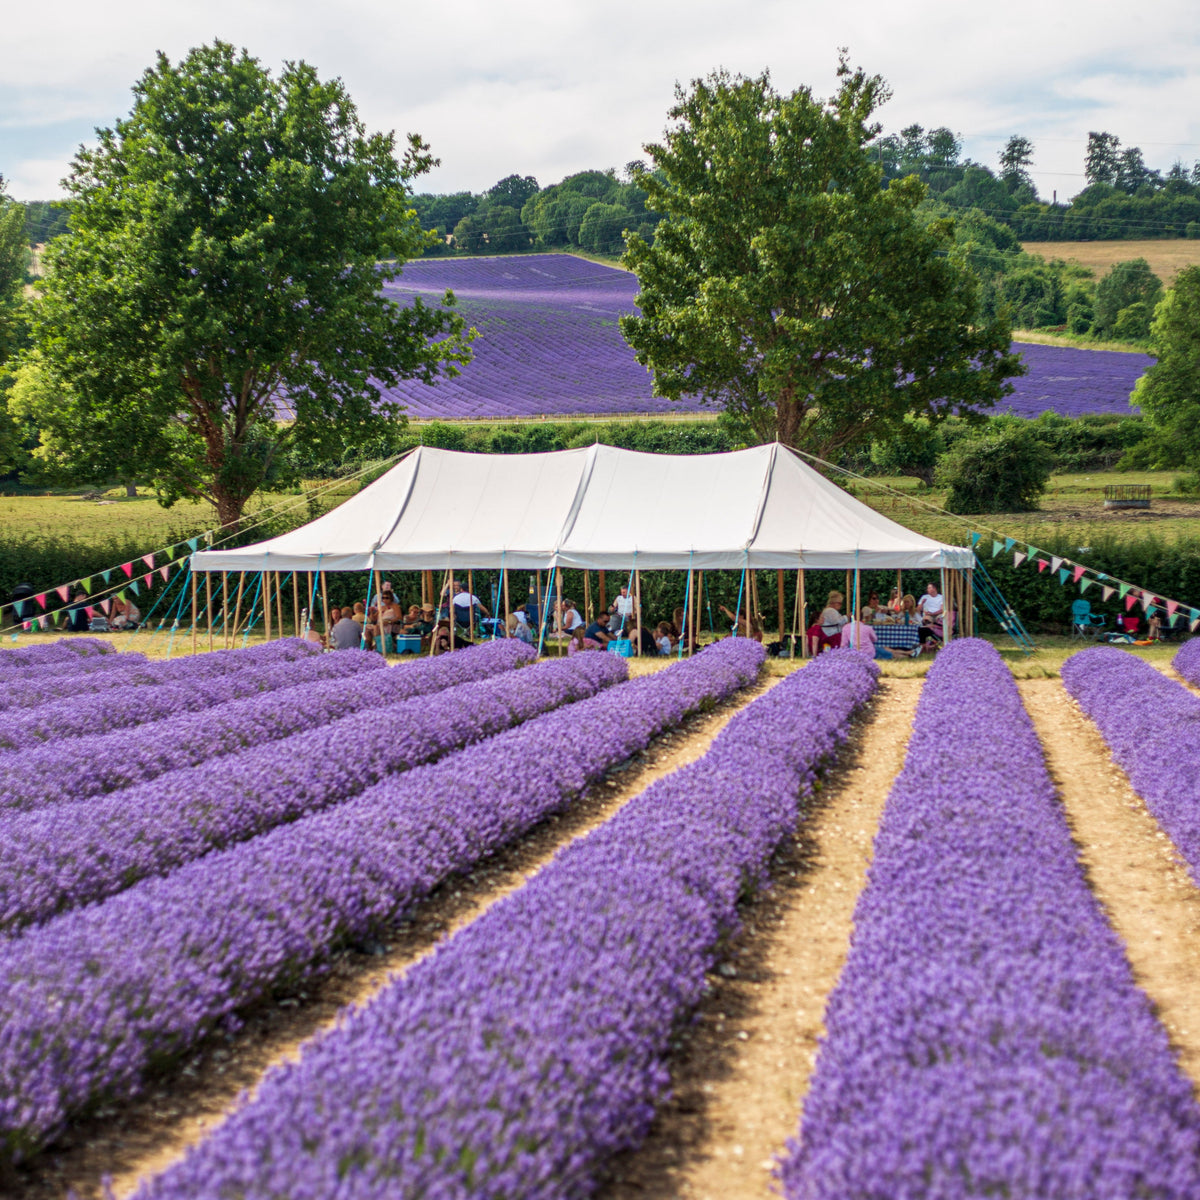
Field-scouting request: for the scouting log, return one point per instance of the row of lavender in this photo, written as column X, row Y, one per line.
column 986, row 1037
column 1152, row 726
column 532, row 1045
column 29, row 661
column 66, row 855
column 93, row 998
column 333, row 686
column 232, row 675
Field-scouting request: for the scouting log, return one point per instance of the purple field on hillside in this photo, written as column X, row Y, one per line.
column 549, row 345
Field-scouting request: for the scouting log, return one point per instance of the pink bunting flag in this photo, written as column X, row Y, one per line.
column 1130, row 601
column 1108, row 592
column 147, row 579
column 91, row 612
column 1079, row 573
column 1055, row 562
column 64, row 593
column 1172, row 605
column 1042, row 564
column 128, row 569
column 41, row 599
column 164, row 571
column 148, row 559
column 106, row 605
column 1019, row 558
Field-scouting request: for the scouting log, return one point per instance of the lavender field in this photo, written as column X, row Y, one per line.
column 550, row 345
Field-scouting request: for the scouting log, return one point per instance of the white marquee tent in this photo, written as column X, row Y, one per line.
column 596, row 509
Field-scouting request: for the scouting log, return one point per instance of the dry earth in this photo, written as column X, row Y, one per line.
column 1166, row 256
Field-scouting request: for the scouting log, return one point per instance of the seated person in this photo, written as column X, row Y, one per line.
column 358, row 614
column 598, row 630
column 908, row 612
column 77, row 617
column 860, row 635
column 389, row 618
column 519, row 627
column 663, row 637
column 570, row 618
column 745, row 624
column 346, row 634
column 444, row 640
column 124, row 614
column 467, row 606
column 644, row 640
column 620, row 611
column 579, row 641
column 826, row 631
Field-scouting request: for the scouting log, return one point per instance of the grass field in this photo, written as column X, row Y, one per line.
column 1166, row 256
column 1039, row 337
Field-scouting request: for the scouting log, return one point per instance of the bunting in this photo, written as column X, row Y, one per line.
column 1125, row 588
column 975, row 539
column 1079, row 572
column 1063, row 573
column 64, row 593
column 148, row 559
column 996, row 548
column 193, row 543
column 1055, row 562
column 1009, row 543
column 1018, row 558
column 1130, row 601
column 1087, row 583
column 1042, row 564
column 107, row 575
column 164, row 572
column 136, row 590
column 41, row 599
column 1108, row 593
column 128, row 569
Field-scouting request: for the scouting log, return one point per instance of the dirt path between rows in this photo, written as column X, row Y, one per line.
column 136, row 1140
column 1171, row 673
column 742, row 1074
column 1131, row 864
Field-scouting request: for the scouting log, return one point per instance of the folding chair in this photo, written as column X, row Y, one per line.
column 1085, row 624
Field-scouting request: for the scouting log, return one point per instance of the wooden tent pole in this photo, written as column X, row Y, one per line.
column 208, row 605
column 237, row 611
column 194, row 614
column 266, row 602
column 562, row 643
column 507, row 609
column 296, row 601
column 324, row 604
column 945, row 608
column 471, row 611
column 587, row 597
column 805, row 649
column 225, row 609
column 857, row 601
column 899, row 587
column 849, row 589
column 279, row 603
column 970, row 601
column 696, row 610
column 796, row 614
column 779, row 597
column 603, row 596
column 637, row 608
column 450, row 601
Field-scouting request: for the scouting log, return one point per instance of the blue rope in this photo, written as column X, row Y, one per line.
column 687, row 603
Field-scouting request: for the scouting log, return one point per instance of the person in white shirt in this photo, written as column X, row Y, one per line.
column 464, row 602
column 570, row 618
column 931, row 606
column 931, row 603
column 622, row 608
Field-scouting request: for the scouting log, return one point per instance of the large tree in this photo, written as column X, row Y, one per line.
column 219, row 294
column 787, row 285
column 1169, row 393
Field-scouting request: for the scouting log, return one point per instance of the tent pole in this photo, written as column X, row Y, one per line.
column 266, row 599
column 324, row 605
column 803, row 601
column 970, row 573
column 279, row 603
column 782, row 611
column 849, row 586
column 603, row 597
column 857, row 603
column 296, row 601
column 562, row 645
column 687, row 614
column 637, row 608
column 899, row 586
column 237, row 610
column 208, row 606
column 696, row 611
column 587, row 597
column 225, row 609
column 507, row 609
column 795, row 616
column 379, row 612
column 471, row 611
column 945, row 609
column 737, row 612
column 193, row 612
column 450, row 601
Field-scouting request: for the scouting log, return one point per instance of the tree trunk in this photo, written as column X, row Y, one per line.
column 229, row 510
column 131, row 490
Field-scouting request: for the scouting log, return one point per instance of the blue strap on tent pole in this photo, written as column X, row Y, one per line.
column 857, row 607
column 251, row 619
column 496, row 599
column 687, row 602
column 629, row 585
column 545, row 609
column 312, row 600
column 737, row 614
column 175, row 624
column 362, row 641
column 707, row 596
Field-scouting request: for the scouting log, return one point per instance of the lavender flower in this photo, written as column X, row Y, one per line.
column 986, row 1037
column 69, row 854
column 1152, row 727
column 303, row 696
column 531, row 1045
column 1187, row 661
column 89, row 1001
column 29, row 662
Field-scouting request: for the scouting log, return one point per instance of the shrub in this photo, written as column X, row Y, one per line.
column 1006, row 470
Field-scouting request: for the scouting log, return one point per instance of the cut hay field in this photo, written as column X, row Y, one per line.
column 1166, row 256
column 761, row 932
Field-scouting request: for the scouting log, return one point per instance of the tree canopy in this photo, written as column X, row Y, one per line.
column 218, row 296
column 1169, row 393
column 789, row 287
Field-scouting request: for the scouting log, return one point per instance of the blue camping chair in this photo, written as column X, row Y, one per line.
column 1085, row 624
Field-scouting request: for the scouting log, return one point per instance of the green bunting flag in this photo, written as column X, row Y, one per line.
column 86, row 584
column 1009, row 543
column 193, row 542
column 136, row 590
column 975, row 538
column 107, row 575
column 1124, row 590
column 1084, row 584
column 996, row 548
column 1063, row 575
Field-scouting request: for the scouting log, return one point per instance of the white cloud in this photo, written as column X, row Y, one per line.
column 552, row 87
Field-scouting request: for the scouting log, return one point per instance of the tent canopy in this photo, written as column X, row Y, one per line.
column 599, row 508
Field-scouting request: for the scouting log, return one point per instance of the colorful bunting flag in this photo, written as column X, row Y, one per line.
column 64, row 593
column 107, row 575
column 1063, row 574
column 148, row 559
column 996, row 548
column 128, row 569
column 136, row 590
column 1083, row 587
column 1055, row 562
column 193, row 542
column 1107, row 592
column 91, row 612
column 86, row 584
column 1042, row 564
column 147, row 579
column 975, row 538
column 164, row 571
column 41, row 599
column 1172, row 605
column 1009, row 543
column 1130, row 601
column 1018, row 558
column 1125, row 588
column 1194, row 625
column 1079, row 572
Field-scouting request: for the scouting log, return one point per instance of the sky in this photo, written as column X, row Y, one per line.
column 546, row 89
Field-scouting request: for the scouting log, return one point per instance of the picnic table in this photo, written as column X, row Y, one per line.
column 896, row 637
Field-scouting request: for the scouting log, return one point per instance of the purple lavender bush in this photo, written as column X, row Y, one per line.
column 70, row 854
column 94, row 998
column 1152, row 726
column 28, row 662
column 986, row 1037
column 255, row 671
column 1187, row 661
column 531, row 1045
column 90, row 766
column 133, row 671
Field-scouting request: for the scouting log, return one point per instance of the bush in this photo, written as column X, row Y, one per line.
column 1006, row 470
